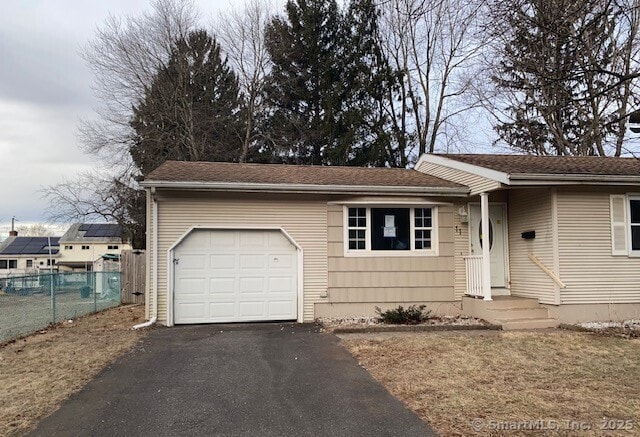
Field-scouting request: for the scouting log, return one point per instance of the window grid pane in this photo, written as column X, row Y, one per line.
column 357, row 225
column 635, row 237
column 423, row 228
column 634, row 207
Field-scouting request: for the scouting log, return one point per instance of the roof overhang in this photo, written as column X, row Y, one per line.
column 307, row 188
column 530, row 179
column 572, row 179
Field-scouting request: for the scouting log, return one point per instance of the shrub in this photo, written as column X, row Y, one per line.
column 400, row 316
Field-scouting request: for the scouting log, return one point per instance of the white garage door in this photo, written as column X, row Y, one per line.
column 235, row 276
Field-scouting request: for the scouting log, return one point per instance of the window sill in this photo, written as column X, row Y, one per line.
column 389, row 253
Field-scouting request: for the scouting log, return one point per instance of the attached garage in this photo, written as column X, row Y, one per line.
column 231, row 242
column 235, row 275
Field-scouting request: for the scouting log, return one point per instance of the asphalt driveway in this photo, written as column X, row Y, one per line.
column 234, row 380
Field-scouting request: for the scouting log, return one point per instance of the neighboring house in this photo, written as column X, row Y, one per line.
column 21, row 256
column 250, row 242
column 83, row 245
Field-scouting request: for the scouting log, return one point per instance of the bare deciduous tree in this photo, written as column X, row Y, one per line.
column 433, row 45
column 124, row 57
column 566, row 74
column 95, row 195
column 241, row 33
column 36, row 230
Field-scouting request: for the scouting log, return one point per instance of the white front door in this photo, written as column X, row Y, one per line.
column 235, row 276
column 497, row 239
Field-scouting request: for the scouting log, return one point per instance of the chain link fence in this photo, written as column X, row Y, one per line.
column 30, row 303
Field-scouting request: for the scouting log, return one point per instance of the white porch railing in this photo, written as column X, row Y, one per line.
column 473, row 266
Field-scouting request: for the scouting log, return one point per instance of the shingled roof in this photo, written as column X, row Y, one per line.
column 293, row 175
column 553, row 165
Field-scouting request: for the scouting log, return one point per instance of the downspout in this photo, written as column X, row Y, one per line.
column 154, row 221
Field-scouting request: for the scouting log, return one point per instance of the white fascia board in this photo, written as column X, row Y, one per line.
column 309, row 188
column 495, row 175
column 563, row 179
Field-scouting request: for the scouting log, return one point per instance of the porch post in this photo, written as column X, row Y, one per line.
column 486, row 260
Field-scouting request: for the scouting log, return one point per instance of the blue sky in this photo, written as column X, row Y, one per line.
column 45, row 90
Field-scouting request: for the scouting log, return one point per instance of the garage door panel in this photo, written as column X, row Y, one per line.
column 280, row 308
column 280, row 284
column 257, row 261
column 193, row 286
column 253, row 240
column 194, row 261
column 222, row 310
column 252, row 285
column 221, row 240
column 252, row 310
column 222, row 261
column 242, row 276
column 222, row 285
column 281, row 261
column 191, row 311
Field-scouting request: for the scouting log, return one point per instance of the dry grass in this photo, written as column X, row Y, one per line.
column 38, row 372
column 451, row 379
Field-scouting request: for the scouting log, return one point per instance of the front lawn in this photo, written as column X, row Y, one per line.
column 510, row 382
column 39, row 372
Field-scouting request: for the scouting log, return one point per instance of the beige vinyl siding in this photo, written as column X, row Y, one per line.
column 390, row 279
column 305, row 220
column 531, row 210
column 477, row 184
column 591, row 273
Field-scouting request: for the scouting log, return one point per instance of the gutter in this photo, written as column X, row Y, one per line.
column 309, row 188
column 525, row 178
column 154, row 220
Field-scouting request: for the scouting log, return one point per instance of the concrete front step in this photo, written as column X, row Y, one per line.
column 518, row 313
column 509, row 302
column 510, row 312
column 513, row 324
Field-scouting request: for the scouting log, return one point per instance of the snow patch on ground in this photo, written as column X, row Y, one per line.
column 633, row 325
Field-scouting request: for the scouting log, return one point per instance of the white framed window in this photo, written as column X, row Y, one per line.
column 634, row 224
column 29, row 263
column 625, row 224
column 85, row 247
column 389, row 230
column 68, row 247
column 357, row 228
column 112, row 247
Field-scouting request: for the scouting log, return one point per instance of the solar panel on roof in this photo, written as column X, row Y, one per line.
column 29, row 246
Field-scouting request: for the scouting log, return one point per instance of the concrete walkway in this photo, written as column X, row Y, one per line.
column 235, row 380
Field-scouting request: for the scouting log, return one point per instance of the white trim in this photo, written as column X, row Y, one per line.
column 524, row 179
column 555, row 245
column 629, row 198
column 387, row 203
column 151, row 193
column 536, row 178
column 463, row 166
column 485, row 215
column 171, row 274
column 310, row 188
column 412, row 252
column 505, row 237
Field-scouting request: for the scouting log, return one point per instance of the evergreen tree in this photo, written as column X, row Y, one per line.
column 325, row 86
column 191, row 111
column 568, row 72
